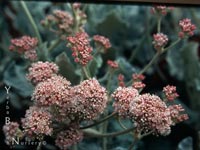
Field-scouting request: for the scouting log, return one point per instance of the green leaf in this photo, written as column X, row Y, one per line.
column 95, row 64
column 66, row 68
column 15, row 77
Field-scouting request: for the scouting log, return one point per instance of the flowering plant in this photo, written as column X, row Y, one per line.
column 69, row 111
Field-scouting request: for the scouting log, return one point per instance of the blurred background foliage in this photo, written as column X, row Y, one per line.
column 130, row 29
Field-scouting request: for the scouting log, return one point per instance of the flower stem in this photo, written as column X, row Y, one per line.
column 159, row 24
column 86, row 72
column 94, row 133
column 33, row 24
column 100, row 121
column 55, row 44
column 172, row 45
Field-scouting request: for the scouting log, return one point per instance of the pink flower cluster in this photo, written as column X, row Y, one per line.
column 11, row 131
column 163, row 10
column 37, row 122
column 150, row 113
column 121, row 80
column 123, row 97
column 66, row 138
column 187, row 28
column 160, row 40
column 89, row 99
column 112, row 64
column 25, row 45
column 137, row 81
column 103, row 41
column 170, row 92
column 40, row 71
column 53, row 91
column 80, row 46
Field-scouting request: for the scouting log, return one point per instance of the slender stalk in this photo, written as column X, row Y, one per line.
column 86, row 72
column 121, row 124
column 172, row 45
column 114, row 134
column 33, row 24
column 159, row 24
column 55, row 44
column 100, row 121
column 150, row 63
column 133, row 144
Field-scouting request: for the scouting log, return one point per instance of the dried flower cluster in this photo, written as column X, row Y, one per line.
column 25, row 45
column 68, row 137
column 103, row 41
column 187, row 28
column 162, row 10
column 40, row 71
column 160, row 40
column 80, row 46
column 137, row 81
column 11, row 131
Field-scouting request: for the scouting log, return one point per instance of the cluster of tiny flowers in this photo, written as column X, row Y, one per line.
column 11, row 131
column 66, row 138
column 176, row 112
column 137, row 81
column 170, row 92
column 112, row 64
column 150, row 114
column 121, row 80
column 103, row 41
column 89, row 99
column 62, row 20
column 187, row 28
column 123, row 97
column 37, row 122
column 80, row 46
column 160, row 40
column 40, row 71
column 163, row 10
column 53, row 91
column 25, row 45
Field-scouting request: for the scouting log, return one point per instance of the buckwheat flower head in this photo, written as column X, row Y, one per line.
column 80, row 46
column 138, row 85
column 89, row 99
column 11, row 131
column 41, row 71
column 123, row 97
column 150, row 114
column 170, row 92
column 112, row 64
column 163, row 10
column 160, row 40
column 26, row 45
column 53, row 91
column 37, row 122
column 187, row 28
column 121, row 80
column 177, row 115
column 103, row 41
column 69, row 137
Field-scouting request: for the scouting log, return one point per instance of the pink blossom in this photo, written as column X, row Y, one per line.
column 138, row 77
column 123, row 97
column 160, row 40
column 187, row 28
column 161, row 9
column 69, row 137
column 41, row 71
column 26, row 45
column 138, row 85
column 103, row 41
column 150, row 113
column 112, row 64
column 37, row 121
column 121, row 80
column 80, row 46
column 89, row 100
column 170, row 92
column 53, row 91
